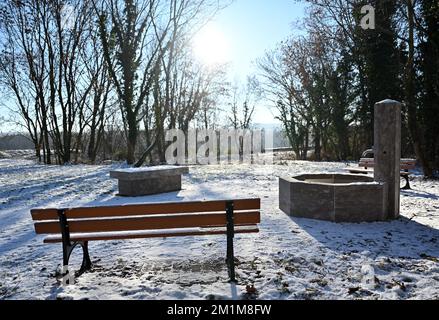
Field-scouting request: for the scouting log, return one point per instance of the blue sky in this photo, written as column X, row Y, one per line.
column 252, row 27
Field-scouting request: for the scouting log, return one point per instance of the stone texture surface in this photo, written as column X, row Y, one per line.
column 360, row 203
column 387, row 151
column 137, row 188
column 148, row 172
column 312, row 200
column 148, row 181
column 285, row 194
column 333, row 197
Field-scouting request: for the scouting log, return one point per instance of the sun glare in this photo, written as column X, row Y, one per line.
column 210, row 46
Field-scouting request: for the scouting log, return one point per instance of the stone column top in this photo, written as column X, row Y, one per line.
column 131, row 174
column 389, row 101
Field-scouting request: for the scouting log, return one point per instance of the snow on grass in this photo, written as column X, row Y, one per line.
column 290, row 258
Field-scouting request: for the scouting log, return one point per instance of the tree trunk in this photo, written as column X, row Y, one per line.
column 306, row 146
column 317, row 145
column 132, row 142
column 413, row 126
column 48, row 158
column 144, row 156
column 91, row 152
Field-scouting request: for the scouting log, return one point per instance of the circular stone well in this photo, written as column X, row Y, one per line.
column 333, row 197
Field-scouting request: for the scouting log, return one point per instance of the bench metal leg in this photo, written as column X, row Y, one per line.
column 86, row 261
column 230, row 235
column 407, row 183
column 68, row 246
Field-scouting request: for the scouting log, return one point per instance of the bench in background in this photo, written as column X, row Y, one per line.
column 406, row 165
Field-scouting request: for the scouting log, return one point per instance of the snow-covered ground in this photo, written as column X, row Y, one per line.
column 290, row 258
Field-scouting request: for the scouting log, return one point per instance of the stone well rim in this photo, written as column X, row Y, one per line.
column 297, row 179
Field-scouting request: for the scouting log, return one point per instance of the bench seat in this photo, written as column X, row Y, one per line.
column 126, row 235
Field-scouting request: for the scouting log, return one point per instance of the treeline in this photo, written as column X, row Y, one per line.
column 325, row 81
column 80, row 72
column 91, row 79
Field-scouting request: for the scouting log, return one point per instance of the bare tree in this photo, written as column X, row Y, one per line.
column 23, row 64
column 132, row 35
column 243, row 103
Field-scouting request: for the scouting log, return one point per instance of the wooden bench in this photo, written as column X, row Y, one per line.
column 77, row 226
column 405, row 166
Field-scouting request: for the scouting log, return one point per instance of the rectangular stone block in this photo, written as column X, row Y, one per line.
column 135, row 182
column 148, row 172
column 135, row 188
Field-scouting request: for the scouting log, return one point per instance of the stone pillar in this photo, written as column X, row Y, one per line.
column 387, row 151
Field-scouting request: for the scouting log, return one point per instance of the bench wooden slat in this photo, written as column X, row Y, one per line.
column 402, row 166
column 146, row 209
column 102, row 236
column 367, row 171
column 402, row 160
column 405, row 164
column 149, row 222
column 364, row 171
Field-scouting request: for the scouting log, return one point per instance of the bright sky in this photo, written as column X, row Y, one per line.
column 244, row 31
